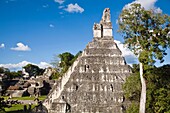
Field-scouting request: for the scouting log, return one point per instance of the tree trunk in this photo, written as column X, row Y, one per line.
column 143, row 92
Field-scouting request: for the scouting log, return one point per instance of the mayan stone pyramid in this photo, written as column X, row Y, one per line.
column 93, row 84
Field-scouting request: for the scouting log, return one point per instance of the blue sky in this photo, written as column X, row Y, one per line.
column 32, row 31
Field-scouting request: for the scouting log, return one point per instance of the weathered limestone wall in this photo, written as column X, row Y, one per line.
column 107, row 32
column 93, row 84
column 97, row 30
column 58, row 87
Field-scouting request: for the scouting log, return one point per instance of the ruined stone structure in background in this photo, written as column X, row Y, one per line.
column 48, row 72
column 93, row 84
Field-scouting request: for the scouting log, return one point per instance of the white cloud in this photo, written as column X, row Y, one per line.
column 61, row 13
column 147, row 4
column 45, row 6
column 157, row 10
column 2, row 46
column 51, row 25
column 44, row 65
column 60, row 7
column 71, row 8
column 21, row 47
column 60, row 1
column 116, row 21
column 19, row 65
column 129, row 56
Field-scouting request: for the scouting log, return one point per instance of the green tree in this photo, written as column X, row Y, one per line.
column 158, row 90
column 15, row 74
column 55, row 75
column 55, row 62
column 132, row 90
column 33, row 70
column 63, row 61
column 76, row 56
column 146, row 34
column 135, row 68
column 134, row 108
column 132, row 87
column 1, row 70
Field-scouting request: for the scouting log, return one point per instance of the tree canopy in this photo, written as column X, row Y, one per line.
column 62, row 62
column 10, row 75
column 3, row 70
column 33, row 70
column 158, row 90
column 145, row 31
column 65, row 61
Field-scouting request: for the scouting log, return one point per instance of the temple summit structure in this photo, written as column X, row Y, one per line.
column 93, row 84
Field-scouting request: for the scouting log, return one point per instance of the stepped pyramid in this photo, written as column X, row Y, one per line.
column 93, row 84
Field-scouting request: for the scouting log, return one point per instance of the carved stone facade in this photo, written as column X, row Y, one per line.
column 93, row 84
column 104, row 28
column 97, row 30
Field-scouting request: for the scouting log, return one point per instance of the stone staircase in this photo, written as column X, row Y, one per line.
column 93, row 84
column 59, row 86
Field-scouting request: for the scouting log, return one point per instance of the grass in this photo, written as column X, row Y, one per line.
column 25, row 98
column 5, row 97
column 17, row 107
column 42, row 97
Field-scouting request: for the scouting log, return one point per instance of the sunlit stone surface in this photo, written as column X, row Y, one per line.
column 93, row 84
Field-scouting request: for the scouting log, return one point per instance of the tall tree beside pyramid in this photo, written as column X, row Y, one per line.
column 147, row 34
column 93, row 84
